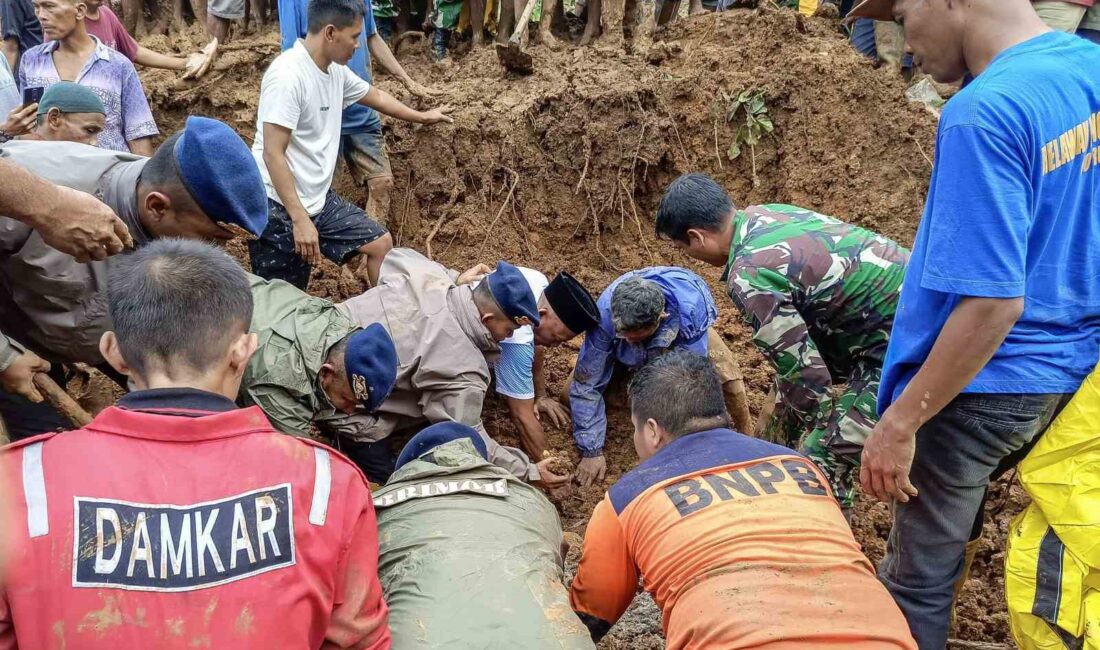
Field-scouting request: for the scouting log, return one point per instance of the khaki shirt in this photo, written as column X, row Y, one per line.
column 295, row 333
column 53, row 304
column 470, row 557
column 442, row 346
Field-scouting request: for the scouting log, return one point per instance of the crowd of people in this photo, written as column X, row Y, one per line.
column 288, row 471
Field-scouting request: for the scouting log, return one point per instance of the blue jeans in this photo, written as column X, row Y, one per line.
column 973, row 438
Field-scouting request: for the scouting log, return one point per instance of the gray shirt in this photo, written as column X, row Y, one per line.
column 53, row 304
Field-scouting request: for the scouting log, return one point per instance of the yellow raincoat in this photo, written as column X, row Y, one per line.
column 1052, row 565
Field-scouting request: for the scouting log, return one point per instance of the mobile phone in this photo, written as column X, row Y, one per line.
column 32, row 95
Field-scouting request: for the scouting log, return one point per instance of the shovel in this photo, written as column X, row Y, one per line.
column 511, row 55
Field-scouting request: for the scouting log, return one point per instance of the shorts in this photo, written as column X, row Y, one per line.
column 365, row 154
column 514, row 370
column 343, row 229
column 227, row 9
column 1068, row 17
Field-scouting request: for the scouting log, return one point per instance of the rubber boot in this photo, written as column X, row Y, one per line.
column 968, row 562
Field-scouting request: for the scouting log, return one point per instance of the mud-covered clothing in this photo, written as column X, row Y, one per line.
column 176, row 520
column 470, row 557
column 442, row 372
column 741, row 545
column 50, row 302
column 691, row 312
column 820, row 296
column 295, row 332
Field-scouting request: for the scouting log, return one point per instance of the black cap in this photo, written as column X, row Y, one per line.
column 572, row 303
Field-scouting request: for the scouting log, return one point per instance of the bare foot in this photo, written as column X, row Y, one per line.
column 589, row 34
column 547, row 39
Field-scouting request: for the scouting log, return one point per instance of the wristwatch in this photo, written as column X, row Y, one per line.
column 4, row 137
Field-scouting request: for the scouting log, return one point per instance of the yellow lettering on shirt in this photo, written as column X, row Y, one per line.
column 1074, row 143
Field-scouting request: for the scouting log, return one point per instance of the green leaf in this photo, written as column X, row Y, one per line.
column 765, row 123
column 757, row 104
column 734, row 150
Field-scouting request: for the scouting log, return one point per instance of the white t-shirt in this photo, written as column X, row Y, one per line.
column 538, row 283
column 296, row 94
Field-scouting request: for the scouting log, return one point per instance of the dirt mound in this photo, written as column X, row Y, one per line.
column 563, row 169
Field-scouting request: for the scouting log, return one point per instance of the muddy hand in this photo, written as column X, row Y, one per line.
column 199, row 63
column 90, row 230
column 437, row 115
column 420, row 90
column 473, row 274
column 554, row 410
column 591, row 470
column 307, row 242
column 18, row 378
column 549, row 479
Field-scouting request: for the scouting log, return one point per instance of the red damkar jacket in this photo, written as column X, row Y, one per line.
column 176, row 520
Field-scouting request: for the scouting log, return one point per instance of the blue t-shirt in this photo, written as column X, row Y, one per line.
column 1013, row 211
column 294, row 25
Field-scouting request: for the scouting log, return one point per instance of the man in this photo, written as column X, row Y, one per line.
column 102, row 23
column 70, row 54
column 210, row 525
column 643, row 314
column 201, row 184
column 469, row 555
column 20, row 28
column 566, row 310
column 298, row 373
column 70, row 112
column 820, row 296
column 739, row 540
column 362, row 144
column 220, row 14
column 297, row 143
column 10, row 97
column 1000, row 316
column 1081, row 17
column 444, row 332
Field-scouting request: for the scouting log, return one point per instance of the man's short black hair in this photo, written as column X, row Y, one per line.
column 162, row 174
column 339, row 13
column 681, row 391
column 692, row 201
column 177, row 302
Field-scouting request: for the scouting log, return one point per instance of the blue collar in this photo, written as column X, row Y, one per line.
column 192, row 400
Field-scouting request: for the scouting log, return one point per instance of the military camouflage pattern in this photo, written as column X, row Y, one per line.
column 820, row 296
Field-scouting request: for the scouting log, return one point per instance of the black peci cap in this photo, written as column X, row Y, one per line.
column 572, row 303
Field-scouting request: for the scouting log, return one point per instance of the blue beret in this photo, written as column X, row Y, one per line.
column 512, row 292
column 436, row 435
column 220, row 173
column 371, row 364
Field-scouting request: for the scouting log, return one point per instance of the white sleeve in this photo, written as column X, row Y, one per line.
column 280, row 98
column 355, row 87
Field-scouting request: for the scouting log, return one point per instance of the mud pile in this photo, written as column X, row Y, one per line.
column 563, row 169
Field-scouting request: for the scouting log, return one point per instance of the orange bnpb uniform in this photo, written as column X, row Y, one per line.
column 742, row 546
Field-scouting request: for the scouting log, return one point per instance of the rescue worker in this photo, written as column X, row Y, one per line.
column 445, row 333
column 738, row 539
column 441, row 332
column 566, row 310
column 202, row 183
column 642, row 314
column 820, row 296
column 298, row 372
column 469, row 555
column 175, row 519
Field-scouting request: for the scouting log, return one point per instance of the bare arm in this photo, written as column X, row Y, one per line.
column 531, row 436
column 151, row 59
column 90, row 229
column 387, row 104
column 380, row 52
column 971, row 336
column 141, row 147
column 276, row 141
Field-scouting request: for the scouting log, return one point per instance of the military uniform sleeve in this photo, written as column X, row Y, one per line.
column 510, row 458
column 359, row 617
column 607, row 577
column 285, row 413
column 590, row 378
column 765, row 300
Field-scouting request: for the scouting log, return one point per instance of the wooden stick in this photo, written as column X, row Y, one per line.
column 61, row 400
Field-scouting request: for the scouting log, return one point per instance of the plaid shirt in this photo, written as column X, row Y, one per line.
column 112, row 77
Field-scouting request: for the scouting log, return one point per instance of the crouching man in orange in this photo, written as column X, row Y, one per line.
column 739, row 540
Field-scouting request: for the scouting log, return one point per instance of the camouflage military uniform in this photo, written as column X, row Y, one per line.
column 820, row 296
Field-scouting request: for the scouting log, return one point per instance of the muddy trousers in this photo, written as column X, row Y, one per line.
column 958, row 451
